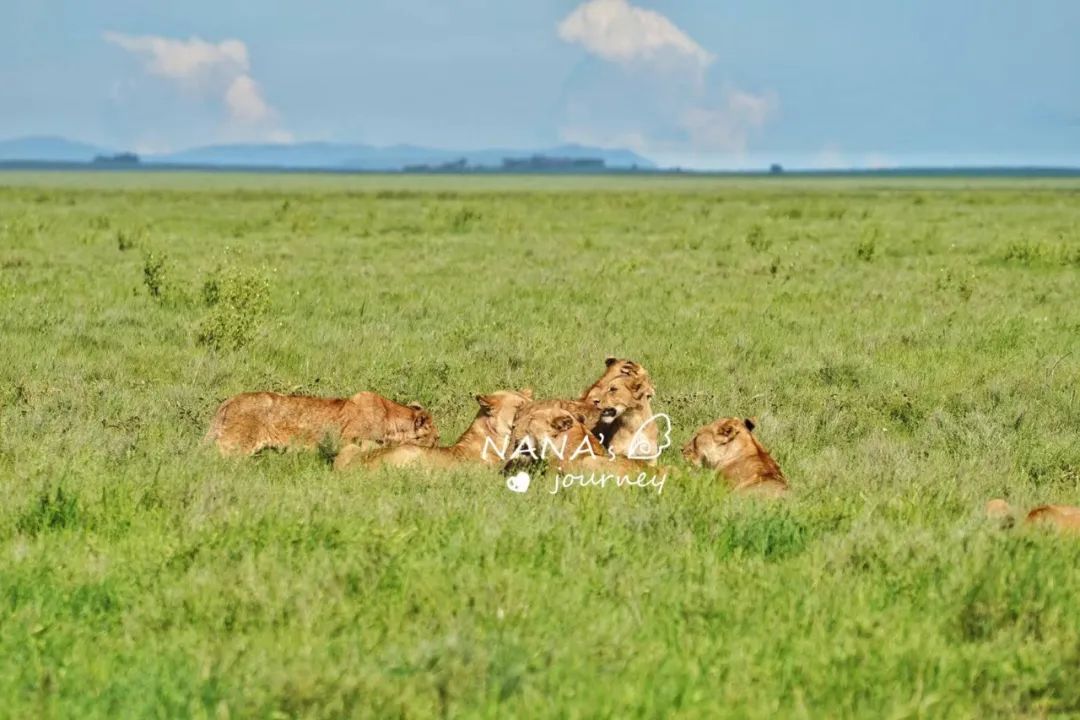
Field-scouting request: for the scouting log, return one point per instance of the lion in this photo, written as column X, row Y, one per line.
column 247, row 423
column 1065, row 518
column 488, row 431
column 625, row 411
column 557, row 431
column 729, row 445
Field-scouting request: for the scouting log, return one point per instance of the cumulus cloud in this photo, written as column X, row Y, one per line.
column 619, row 32
column 727, row 127
column 648, row 81
column 245, row 101
column 218, row 72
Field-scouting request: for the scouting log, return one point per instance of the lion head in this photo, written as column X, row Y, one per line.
column 616, row 367
column 501, row 407
column 622, row 393
column 721, row 442
column 552, row 421
column 414, row 426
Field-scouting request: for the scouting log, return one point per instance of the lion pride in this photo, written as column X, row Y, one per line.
column 247, row 423
column 729, row 445
column 489, row 429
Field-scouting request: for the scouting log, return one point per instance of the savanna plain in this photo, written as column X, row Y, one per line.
column 909, row 349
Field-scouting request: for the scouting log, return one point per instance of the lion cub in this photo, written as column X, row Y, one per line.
column 1061, row 517
column 624, row 394
column 247, row 423
column 728, row 445
column 625, row 406
column 489, row 430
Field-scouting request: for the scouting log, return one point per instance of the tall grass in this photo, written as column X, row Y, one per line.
column 908, row 350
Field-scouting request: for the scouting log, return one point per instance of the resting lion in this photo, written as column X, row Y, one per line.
column 247, row 423
column 1065, row 518
column 560, row 427
column 490, row 429
column 729, row 445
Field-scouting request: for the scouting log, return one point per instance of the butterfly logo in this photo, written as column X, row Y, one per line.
column 641, row 448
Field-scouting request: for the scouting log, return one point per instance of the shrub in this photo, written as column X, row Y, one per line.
column 865, row 249
column 463, row 218
column 126, row 239
column 756, row 238
column 237, row 300
column 1022, row 252
column 867, row 246
column 154, row 274
column 52, row 510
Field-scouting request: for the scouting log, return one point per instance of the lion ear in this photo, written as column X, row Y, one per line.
column 416, row 406
column 749, row 423
column 610, row 360
column 563, row 422
column 527, row 393
column 484, row 401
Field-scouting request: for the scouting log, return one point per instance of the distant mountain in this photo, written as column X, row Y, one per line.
column 369, row 157
column 48, row 148
column 299, row 155
column 323, row 155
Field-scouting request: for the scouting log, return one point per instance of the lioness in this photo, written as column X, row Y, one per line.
column 728, row 445
column 557, row 431
column 247, row 423
column 489, row 430
column 1062, row 517
column 625, row 408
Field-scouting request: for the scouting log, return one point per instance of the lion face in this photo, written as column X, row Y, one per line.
column 502, row 406
column 616, row 367
column 719, row 442
column 415, row 427
column 548, row 421
column 621, row 394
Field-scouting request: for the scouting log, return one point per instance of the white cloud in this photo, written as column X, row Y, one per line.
column 728, row 126
column 649, row 89
column 245, row 102
column 619, row 32
column 219, row 72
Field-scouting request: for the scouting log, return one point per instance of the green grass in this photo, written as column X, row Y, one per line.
column 910, row 351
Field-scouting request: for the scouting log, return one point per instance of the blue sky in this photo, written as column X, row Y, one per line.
column 700, row 83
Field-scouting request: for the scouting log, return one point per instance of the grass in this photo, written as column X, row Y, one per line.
column 909, row 350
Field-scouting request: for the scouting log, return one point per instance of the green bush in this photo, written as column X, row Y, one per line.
column 236, row 301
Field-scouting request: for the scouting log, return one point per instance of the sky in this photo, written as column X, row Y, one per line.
column 694, row 83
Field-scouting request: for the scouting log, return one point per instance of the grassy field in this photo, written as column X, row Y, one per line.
column 909, row 350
